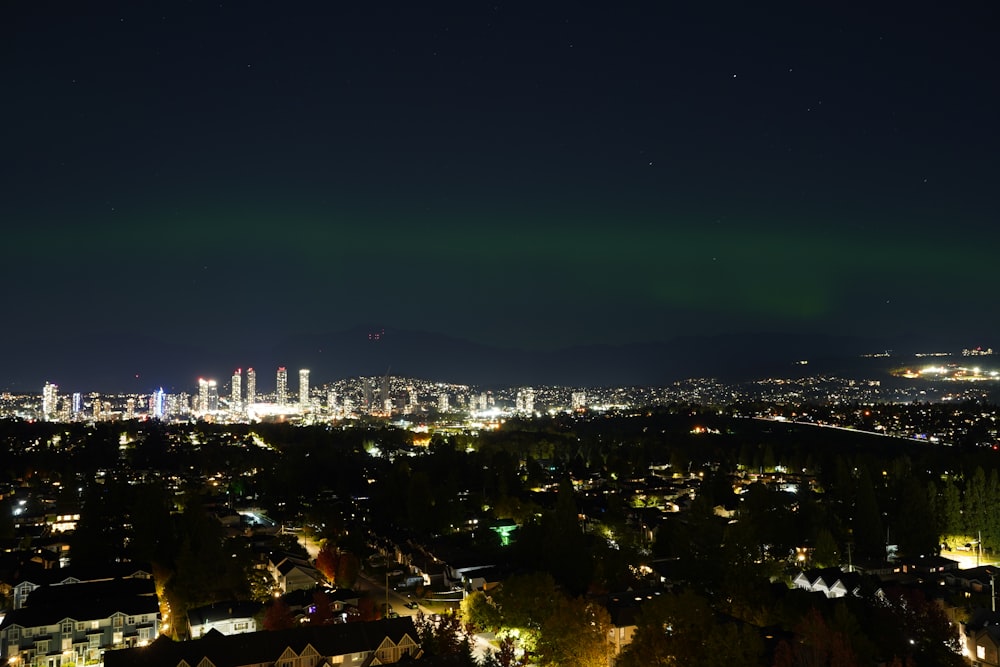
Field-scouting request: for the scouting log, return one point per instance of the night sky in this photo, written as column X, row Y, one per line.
column 534, row 174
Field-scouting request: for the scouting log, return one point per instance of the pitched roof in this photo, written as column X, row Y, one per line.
column 220, row 611
column 257, row 647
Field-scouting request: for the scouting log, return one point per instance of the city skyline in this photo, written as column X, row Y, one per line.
column 190, row 182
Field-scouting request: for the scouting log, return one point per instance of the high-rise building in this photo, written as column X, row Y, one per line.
column 50, row 401
column 442, row 402
column 251, row 387
column 158, row 404
column 202, row 395
column 331, row 402
column 213, row 396
column 130, row 408
column 304, row 389
column 366, row 394
column 578, row 399
column 525, row 402
column 385, row 394
column 236, row 399
column 77, row 404
column 281, row 388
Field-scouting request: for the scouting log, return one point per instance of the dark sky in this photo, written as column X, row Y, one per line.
column 534, row 174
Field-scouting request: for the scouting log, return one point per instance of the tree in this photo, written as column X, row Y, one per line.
column 576, row 633
column 505, row 655
column 479, row 610
column 916, row 537
column 674, row 631
column 327, row 561
column 526, row 600
column 367, row 609
column 825, row 550
column 818, row 645
column 446, row 635
column 320, row 612
column 348, row 569
column 868, row 533
column 950, row 504
column 278, row 616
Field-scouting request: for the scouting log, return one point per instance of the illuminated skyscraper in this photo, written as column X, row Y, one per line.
column 213, row 396
column 77, row 404
column 158, row 404
column 251, row 387
column 525, row 402
column 384, row 394
column 304, row 389
column 366, row 394
column 50, row 401
column 281, row 389
column 442, row 402
column 202, row 395
column 236, row 399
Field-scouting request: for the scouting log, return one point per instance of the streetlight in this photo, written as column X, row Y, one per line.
column 993, row 591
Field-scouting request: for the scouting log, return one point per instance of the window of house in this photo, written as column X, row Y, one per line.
column 116, row 621
column 95, row 625
column 42, row 646
column 131, row 620
column 67, row 627
column 145, row 634
column 27, row 632
column 241, row 626
column 980, row 651
column 81, row 626
column 14, row 633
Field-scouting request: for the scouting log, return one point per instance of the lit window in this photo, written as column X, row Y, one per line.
column 980, row 651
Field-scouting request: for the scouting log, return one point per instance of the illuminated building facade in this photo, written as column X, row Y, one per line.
column 50, row 401
column 251, row 387
column 236, row 397
column 304, row 389
column 158, row 404
column 281, row 387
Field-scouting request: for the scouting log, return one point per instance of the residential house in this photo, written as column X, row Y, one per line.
column 831, row 582
column 291, row 573
column 30, row 577
column 228, row 618
column 980, row 638
column 623, row 609
column 348, row 644
column 77, row 623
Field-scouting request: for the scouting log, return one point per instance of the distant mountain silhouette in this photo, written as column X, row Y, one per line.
column 112, row 362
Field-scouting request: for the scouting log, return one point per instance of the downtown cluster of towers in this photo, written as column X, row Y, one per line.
column 56, row 407
column 208, row 391
column 243, row 401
